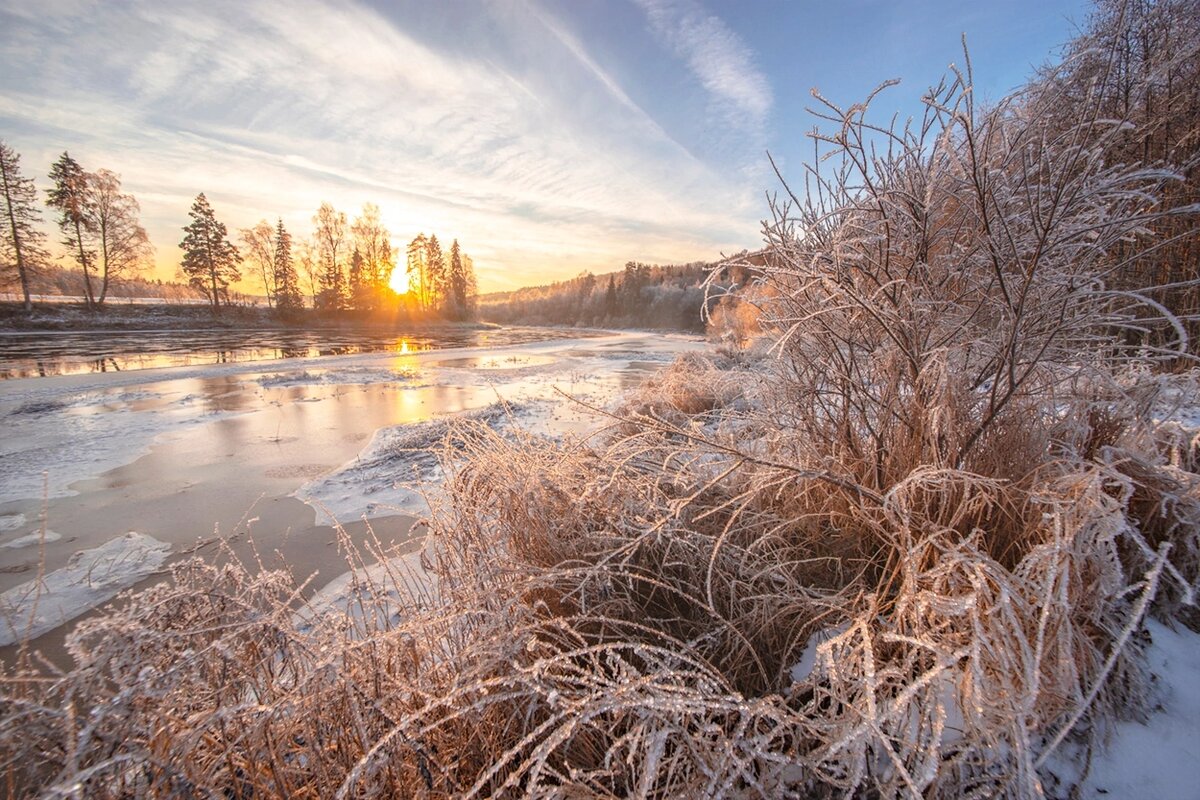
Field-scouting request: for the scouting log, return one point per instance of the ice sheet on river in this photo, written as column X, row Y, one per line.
column 396, row 466
column 90, row 578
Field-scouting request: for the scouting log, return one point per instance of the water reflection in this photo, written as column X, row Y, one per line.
column 41, row 354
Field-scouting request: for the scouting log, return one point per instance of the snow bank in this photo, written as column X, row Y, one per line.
column 369, row 598
column 1158, row 758
column 90, row 578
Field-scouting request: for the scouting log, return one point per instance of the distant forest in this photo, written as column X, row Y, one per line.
column 345, row 267
column 640, row 296
column 53, row 280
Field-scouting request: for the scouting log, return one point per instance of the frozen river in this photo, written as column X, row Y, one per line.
column 29, row 354
column 261, row 455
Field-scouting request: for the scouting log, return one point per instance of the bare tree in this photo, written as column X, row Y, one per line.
column 258, row 248
column 306, row 257
column 372, row 241
column 330, row 237
column 118, row 240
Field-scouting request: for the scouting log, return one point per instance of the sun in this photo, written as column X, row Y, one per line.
column 399, row 280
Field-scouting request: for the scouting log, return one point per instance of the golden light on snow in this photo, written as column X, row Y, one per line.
column 399, row 280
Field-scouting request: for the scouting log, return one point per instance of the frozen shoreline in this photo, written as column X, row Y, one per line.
column 185, row 453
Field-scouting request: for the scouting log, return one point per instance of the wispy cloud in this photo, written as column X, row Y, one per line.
column 719, row 59
column 517, row 141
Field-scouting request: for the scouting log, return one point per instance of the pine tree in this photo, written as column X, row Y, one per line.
column 22, row 245
column 472, row 285
column 209, row 259
column 610, row 298
column 417, row 273
column 362, row 288
column 458, row 283
column 437, row 280
column 69, row 197
column 288, row 298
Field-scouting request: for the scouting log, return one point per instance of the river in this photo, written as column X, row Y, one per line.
column 259, row 458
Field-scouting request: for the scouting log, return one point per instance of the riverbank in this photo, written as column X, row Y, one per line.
column 124, row 315
column 273, row 459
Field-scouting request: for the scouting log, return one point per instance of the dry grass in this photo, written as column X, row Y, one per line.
column 945, row 492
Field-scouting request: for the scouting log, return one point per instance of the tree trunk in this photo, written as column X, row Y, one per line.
column 103, row 264
column 12, row 222
column 88, row 296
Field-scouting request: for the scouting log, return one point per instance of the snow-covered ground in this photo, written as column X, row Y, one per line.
column 1159, row 758
column 90, row 578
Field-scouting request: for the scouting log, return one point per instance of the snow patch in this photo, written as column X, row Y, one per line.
column 384, row 478
column 808, row 658
column 337, row 377
column 90, row 578
column 32, row 539
column 1158, row 759
column 369, row 598
column 11, row 522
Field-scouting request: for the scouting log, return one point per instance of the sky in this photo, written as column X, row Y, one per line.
column 549, row 138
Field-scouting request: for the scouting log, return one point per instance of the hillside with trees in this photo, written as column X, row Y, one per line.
column 640, row 296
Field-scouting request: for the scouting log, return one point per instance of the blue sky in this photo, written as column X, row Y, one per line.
column 549, row 138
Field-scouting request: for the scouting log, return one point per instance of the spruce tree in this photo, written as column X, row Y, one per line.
column 69, row 197
column 288, row 298
column 361, row 285
column 437, row 282
column 458, row 283
column 417, row 271
column 610, row 298
column 209, row 259
column 22, row 245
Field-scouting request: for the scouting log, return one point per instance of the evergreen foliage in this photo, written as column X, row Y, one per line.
column 69, row 197
column 209, row 259
column 288, row 298
column 22, row 244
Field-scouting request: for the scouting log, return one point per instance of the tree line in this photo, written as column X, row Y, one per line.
column 640, row 296
column 99, row 224
column 344, row 267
